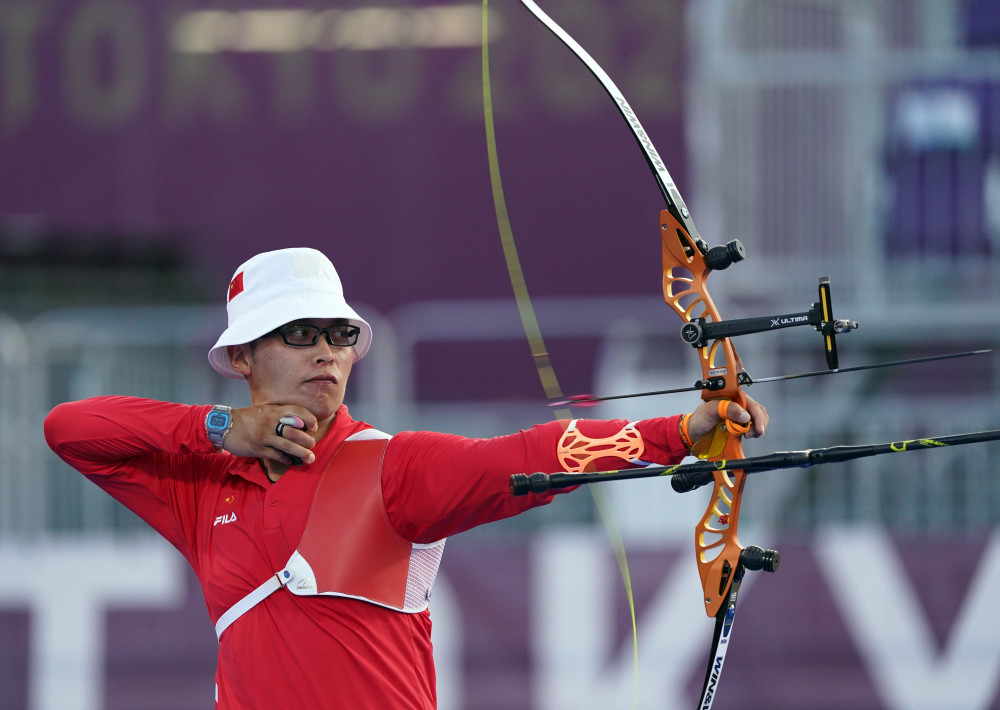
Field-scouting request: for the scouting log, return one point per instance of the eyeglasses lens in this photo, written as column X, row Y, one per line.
column 342, row 335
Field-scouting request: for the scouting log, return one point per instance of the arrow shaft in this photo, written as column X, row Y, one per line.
column 877, row 365
column 580, row 401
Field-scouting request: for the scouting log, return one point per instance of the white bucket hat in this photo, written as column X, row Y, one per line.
column 279, row 287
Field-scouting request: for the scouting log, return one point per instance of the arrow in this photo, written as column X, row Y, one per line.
column 588, row 400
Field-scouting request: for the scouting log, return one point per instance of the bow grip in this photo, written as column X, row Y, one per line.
column 713, row 444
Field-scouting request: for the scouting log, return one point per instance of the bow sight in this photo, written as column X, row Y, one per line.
column 697, row 332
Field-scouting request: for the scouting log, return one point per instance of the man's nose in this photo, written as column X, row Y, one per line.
column 325, row 350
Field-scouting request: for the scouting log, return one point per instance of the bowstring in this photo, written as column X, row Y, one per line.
column 539, row 353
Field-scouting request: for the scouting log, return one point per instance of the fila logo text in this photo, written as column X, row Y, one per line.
column 223, row 519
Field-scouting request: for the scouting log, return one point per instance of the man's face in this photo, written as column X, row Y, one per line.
column 313, row 376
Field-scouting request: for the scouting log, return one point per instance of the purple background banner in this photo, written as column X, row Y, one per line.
column 853, row 619
column 377, row 157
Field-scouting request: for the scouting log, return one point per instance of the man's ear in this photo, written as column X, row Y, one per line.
column 239, row 358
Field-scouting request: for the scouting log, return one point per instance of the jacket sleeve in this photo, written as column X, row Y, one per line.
column 436, row 485
column 139, row 451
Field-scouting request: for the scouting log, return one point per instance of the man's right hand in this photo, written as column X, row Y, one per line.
column 255, row 433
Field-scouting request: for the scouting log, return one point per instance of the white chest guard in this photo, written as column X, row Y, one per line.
column 349, row 548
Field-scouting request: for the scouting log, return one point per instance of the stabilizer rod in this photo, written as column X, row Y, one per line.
column 688, row 477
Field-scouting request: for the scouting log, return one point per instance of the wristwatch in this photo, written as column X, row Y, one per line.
column 218, row 422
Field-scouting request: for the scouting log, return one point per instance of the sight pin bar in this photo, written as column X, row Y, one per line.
column 697, row 332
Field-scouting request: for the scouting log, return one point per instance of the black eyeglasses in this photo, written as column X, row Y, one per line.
column 302, row 335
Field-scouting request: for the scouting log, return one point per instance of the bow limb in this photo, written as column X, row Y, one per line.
column 687, row 261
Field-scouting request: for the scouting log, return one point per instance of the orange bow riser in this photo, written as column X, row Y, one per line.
column 718, row 549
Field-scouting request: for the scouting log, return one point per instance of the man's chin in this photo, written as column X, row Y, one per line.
column 323, row 410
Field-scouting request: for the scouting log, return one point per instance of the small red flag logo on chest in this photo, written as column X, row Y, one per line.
column 236, row 286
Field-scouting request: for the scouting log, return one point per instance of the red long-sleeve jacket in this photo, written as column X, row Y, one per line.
column 236, row 529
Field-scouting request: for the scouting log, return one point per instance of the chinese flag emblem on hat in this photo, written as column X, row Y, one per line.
column 236, row 286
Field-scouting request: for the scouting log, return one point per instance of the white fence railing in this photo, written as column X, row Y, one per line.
column 855, row 139
column 160, row 353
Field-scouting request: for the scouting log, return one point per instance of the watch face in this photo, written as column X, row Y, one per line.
column 218, row 420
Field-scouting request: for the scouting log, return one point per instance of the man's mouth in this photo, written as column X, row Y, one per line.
column 324, row 378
